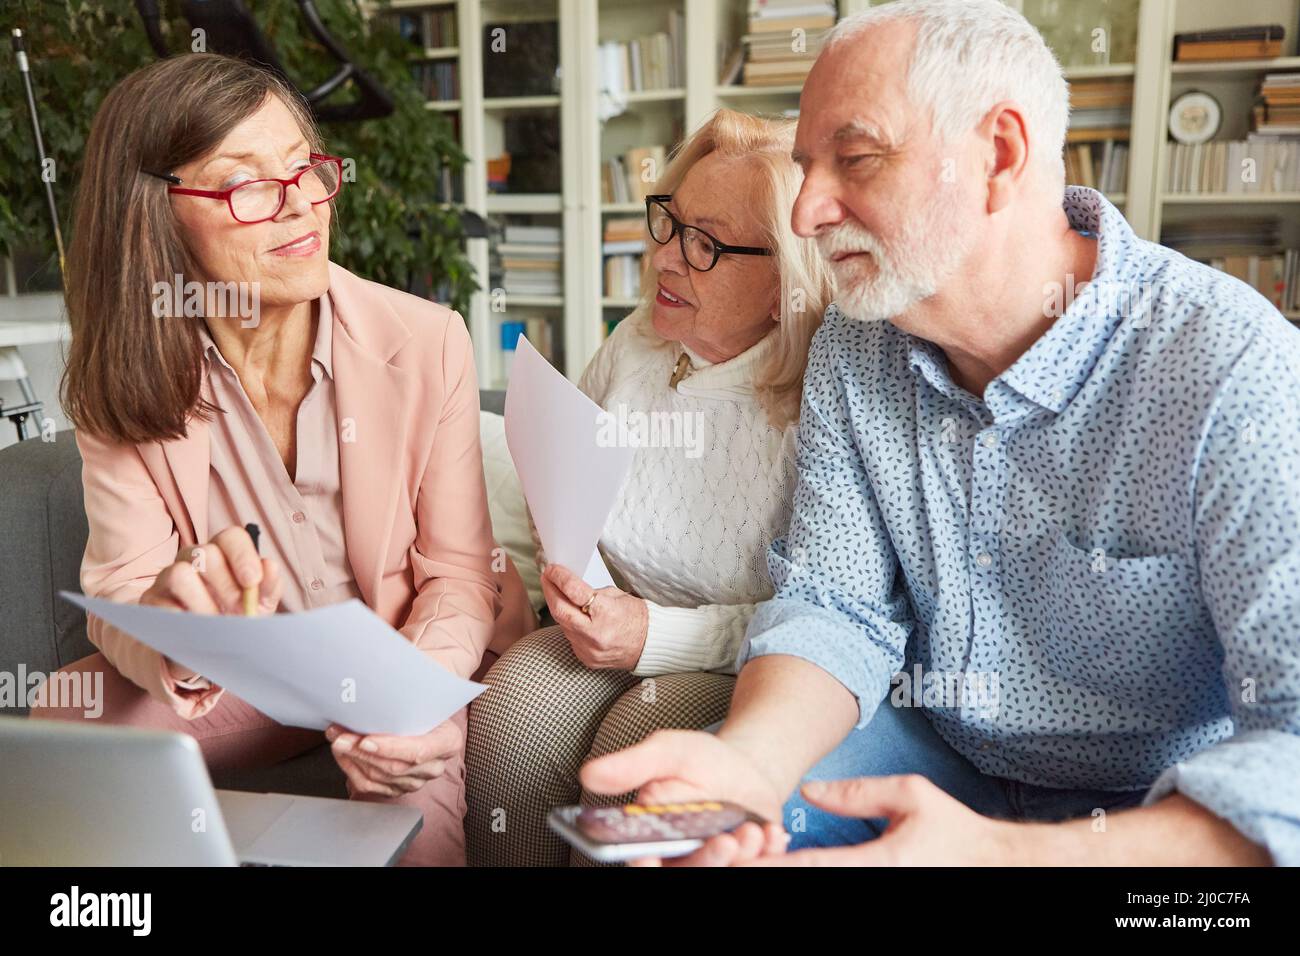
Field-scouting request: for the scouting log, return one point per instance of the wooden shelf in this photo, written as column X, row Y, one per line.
column 656, row 96
column 734, row 91
column 524, row 203
column 1099, row 71
column 549, row 101
column 533, row 301
column 1222, row 67
column 413, row 4
column 1229, row 199
column 617, row 302
column 442, row 106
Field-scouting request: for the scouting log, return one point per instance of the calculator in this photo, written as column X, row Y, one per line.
column 634, row 830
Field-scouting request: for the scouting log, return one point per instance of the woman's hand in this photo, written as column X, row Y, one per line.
column 390, row 766
column 210, row 578
column 611, row 633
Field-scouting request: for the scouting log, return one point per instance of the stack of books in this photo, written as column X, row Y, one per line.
column 623, row 246
column 430, row 29
column 498, row 174
column 530, row 260
column 1291, row 284
column 1234, row 43
column 1272, row 276
column 1278, row 108
column 1100, row 110
column 784, row 39
column 654, row 62
column 1096, row 152
column 1260, row 164
column 631, row 177
column 437, row 79
column 1100, row 166
column 1224, row 237
column 1248, row 248
column 535, row 327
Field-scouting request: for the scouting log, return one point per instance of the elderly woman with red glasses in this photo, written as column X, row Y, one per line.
column 713, row 359
column 223, row 371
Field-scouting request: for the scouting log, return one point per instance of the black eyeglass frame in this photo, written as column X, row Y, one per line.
column 719, row 247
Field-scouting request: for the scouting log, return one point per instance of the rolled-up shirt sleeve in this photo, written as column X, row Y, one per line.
column 839, row 600
column 1247, row 512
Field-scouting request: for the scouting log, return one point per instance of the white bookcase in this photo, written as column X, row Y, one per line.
column 1234, row 85
column 579, row 315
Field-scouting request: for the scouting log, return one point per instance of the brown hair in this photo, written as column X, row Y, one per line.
column 132, row 377
column 807, row 283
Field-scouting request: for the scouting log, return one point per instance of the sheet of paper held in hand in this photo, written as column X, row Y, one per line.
column 339, row 664
column 570, row 479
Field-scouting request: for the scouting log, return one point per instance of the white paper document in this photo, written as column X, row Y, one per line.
column 340, row 664
column 570, row 477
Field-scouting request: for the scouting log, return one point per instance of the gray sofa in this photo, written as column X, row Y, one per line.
column 42, row 537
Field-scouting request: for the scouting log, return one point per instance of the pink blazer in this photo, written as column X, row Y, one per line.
column 415, row 513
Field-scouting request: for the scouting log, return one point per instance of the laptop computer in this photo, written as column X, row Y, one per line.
column 79, row 795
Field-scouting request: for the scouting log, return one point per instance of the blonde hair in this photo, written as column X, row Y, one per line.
column 807, row 286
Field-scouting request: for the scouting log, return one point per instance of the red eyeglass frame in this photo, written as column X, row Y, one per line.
column 319, row 159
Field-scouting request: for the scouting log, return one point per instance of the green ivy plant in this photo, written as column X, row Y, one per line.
column 393, row 226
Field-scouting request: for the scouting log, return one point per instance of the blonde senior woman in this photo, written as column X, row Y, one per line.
column 716, row 351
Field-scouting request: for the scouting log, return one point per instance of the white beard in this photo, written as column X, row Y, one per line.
column 899, row 274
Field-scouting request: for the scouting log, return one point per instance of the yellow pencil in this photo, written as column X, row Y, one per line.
column 250, row 594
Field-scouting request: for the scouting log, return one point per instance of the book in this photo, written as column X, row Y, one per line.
column 533, row 234
column 786, row 24
column 1101, row 94
column 1098, row 135
column 1235, row 43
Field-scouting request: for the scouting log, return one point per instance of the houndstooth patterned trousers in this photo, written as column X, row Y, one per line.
column 544, row 714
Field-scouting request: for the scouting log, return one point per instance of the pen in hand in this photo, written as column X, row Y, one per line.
column 250, row 594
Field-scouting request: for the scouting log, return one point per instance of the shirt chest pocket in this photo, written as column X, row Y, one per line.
column 1126, row 626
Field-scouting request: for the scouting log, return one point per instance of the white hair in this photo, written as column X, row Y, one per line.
column 970, row 55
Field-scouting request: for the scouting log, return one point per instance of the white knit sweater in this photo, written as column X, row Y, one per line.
column 690, row 530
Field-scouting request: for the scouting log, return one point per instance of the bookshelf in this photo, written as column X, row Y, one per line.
column 1234, row 85
column 581, row 309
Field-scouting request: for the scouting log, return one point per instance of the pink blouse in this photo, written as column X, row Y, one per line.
column 301, row 520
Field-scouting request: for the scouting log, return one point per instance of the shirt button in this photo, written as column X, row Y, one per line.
column 984, row 559
column 987, row 745
column 298, row 517
column 316, row 584
column 990, row 439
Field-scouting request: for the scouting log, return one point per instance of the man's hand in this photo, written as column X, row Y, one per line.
column 612, row 635
column 926, row 827
column 389, row 766
column 674, row 766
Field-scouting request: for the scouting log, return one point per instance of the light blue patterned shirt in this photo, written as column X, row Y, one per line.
column 1113, row 534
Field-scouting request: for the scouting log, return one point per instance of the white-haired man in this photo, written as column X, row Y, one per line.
column 1048, row 471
